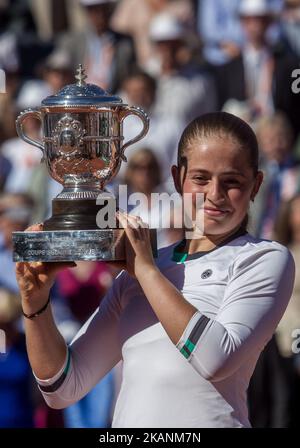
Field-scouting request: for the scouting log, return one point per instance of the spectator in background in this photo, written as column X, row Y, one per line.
column 287, row 232
column 140, row 89
column 282, row 172
column 82, row 288
column 219, row 28
column 10, row 64
column 5, row 165
column 181, row 94
column 9, row 59
column 107, row 56
column 15, row 20
column 20, row 47
column 56, row 71
column 15, row 214
column 16, row 380
column 52, row 75
column 261, row 74
column 133, row 17
column 290, row 26
column 269, row 392
column 143, row 176
column 17, row 16
column 7, row 106
column 55, row 16
column 22, row 156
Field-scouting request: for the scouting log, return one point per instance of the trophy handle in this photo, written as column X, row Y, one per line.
column 139, row 112
column 34, row 113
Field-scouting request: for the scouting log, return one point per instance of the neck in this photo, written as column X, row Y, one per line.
column 296, row 238
column 207, row 242
column 257, row 45
column 101, row 33
column 169, row 68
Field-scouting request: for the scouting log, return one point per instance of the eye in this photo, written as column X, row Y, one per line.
column 234, row 182
column 200, row 179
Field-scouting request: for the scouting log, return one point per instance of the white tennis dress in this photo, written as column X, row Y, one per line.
column 240, row 289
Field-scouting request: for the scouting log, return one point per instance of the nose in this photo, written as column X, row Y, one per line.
column 215, row 191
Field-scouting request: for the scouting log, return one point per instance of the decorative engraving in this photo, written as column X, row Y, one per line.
column 67, row 137
column 79, row 195
column 69, row 245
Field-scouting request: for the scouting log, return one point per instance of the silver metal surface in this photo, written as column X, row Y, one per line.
column 83, row 147
column 69, row 245
column 81, row 94
column 83, row 142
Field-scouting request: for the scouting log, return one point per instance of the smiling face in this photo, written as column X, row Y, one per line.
column 221, row 170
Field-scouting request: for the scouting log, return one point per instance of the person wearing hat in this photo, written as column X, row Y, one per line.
column 290, row 26
column 134, row 17
column 181, row 89
column 262, row 73
column 219, row 29
column 107, row 56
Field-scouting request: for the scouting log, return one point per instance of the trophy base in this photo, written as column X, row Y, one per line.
column 72, row 245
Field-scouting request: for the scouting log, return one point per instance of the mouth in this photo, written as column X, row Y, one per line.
column 210, row 211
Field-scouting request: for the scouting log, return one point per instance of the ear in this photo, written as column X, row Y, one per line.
column 176, row 178
column 258, row 181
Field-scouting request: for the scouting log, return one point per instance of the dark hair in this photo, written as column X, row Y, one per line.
column 144, row 154
column 137, row 73
column 283, row 231
column 221, row 124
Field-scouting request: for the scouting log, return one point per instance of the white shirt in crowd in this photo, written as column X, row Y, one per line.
column 23, row 158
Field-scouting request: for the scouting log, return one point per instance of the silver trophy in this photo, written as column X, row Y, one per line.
column 83, row 147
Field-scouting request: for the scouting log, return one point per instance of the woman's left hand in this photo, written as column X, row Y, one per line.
column 139, row 255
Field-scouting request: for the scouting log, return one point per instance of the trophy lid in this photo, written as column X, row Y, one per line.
column 81, row 94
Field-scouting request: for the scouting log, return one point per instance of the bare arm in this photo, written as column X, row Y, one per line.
column 94, row 351
column 45, row 345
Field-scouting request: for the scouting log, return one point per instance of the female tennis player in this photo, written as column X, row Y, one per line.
column 190, row 324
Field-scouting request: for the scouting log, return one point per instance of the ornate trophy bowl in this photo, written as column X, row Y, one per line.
column 83, row 148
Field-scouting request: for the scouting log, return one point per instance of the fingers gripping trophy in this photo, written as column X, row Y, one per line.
column 83, row 148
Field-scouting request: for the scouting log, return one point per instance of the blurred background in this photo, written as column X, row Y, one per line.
column 176, row 59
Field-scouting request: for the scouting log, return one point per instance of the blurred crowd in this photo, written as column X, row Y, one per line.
column 176, row 59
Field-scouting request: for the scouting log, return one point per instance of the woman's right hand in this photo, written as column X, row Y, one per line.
column 35, row 279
